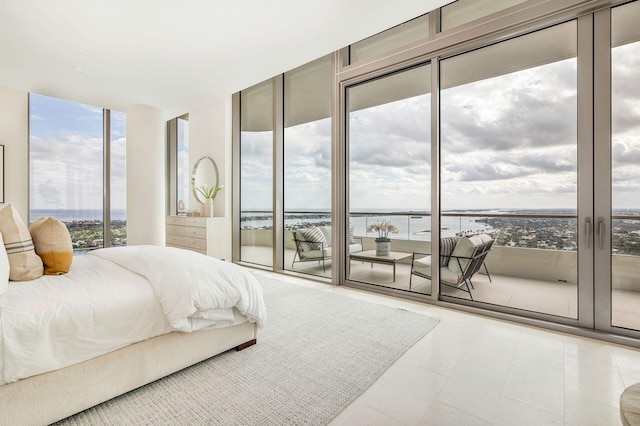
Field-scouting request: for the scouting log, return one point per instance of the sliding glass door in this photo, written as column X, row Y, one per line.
column 625, row 167
column 509, row 155
column 389, row 178
column 534, row 146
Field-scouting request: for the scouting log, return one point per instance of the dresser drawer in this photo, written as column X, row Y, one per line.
column 174, row 240
column 192, row 232
column 192, row 243
column 175, row 220
column 199, row 222
column 175, row 230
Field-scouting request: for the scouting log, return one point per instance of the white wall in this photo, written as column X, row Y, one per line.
column 146, row 187
column 210, row 136
column 14, row 135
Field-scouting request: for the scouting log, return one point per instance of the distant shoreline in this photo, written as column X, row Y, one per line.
column 79, row 215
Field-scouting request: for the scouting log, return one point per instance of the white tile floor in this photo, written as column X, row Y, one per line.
column 473, row 370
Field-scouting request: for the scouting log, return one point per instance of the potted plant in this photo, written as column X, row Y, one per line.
column 383, row 242
column 209, row 194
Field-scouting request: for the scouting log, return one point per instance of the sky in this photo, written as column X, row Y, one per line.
column 625, row 150
column 507, row 142
column 66, row 155
column 511, row 141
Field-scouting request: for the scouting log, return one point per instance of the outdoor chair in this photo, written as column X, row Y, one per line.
column 314, row 245
column 460, row 259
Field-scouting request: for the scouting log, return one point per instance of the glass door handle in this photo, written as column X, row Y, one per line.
column 601, row 232
column 587, row 231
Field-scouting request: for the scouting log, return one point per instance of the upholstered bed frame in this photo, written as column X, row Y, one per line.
column 50, row 397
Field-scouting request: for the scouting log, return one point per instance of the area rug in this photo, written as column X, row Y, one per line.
column 316, row 354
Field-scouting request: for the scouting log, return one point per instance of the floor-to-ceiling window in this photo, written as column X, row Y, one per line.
column 183, row 173
column 118, row 178
column 389, row 175
column 66, row 169
column 625, row 166
column 307, row 166
column 256, row 174
column 509, row 168
column 518, row 140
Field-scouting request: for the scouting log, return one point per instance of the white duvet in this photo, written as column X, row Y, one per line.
column 114, row 297
column 192, row 288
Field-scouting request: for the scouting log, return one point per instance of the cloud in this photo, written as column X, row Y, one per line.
column 509, row 141
column 482, row 172
column 528, row 108
column 626, row 151
column 625, row 89
column 72, row 164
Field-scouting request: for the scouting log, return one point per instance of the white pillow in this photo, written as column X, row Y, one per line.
column 4, row 267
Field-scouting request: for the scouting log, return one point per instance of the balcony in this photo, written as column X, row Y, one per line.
column 533, row 263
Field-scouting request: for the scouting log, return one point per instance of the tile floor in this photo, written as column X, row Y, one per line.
column 473, row 370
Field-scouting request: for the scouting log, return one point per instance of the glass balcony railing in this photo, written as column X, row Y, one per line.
column 525, row 230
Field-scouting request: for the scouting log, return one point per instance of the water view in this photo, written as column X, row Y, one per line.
column 541, row 229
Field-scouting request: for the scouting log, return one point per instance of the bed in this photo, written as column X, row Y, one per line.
column 119, row 319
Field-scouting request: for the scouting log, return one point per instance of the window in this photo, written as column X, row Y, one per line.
column 509, row 151
column 256, row 174
column 118, row 178
column 625, row 165
column 307, row 157
column 66, row 174
column 389, row 171
column 182, row 164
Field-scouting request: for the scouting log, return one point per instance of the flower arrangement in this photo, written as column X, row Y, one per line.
column 209, row 192
column 383, row 229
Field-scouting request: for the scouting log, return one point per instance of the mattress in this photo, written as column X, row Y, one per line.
column 57, row 321
column 114, row 297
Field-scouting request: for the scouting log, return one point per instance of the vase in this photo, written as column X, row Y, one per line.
column 383, row 248
column 208, row 207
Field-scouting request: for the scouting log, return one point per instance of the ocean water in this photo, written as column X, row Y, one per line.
column 65, row 215
column 410, row 227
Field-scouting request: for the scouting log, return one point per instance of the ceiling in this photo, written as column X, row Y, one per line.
column 176, row 56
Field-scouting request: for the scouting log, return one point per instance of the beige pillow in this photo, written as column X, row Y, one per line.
column 24, row 263
column 53, row 244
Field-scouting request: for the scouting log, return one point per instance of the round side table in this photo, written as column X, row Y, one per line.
column 630, row 405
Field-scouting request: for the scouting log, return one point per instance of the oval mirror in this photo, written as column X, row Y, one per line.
column 205, row 172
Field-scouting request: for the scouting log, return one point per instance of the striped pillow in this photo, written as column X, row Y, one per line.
column 447, row 244
column 315, row 237
column 24, row 263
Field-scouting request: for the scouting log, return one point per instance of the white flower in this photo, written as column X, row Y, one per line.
column 383, row 229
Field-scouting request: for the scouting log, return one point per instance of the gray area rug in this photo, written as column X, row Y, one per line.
column 317, row 353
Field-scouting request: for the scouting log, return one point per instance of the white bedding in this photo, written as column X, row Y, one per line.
column 99, row 307
column 192, row 288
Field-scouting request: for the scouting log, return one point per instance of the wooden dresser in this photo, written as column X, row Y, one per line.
column 206, row 235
